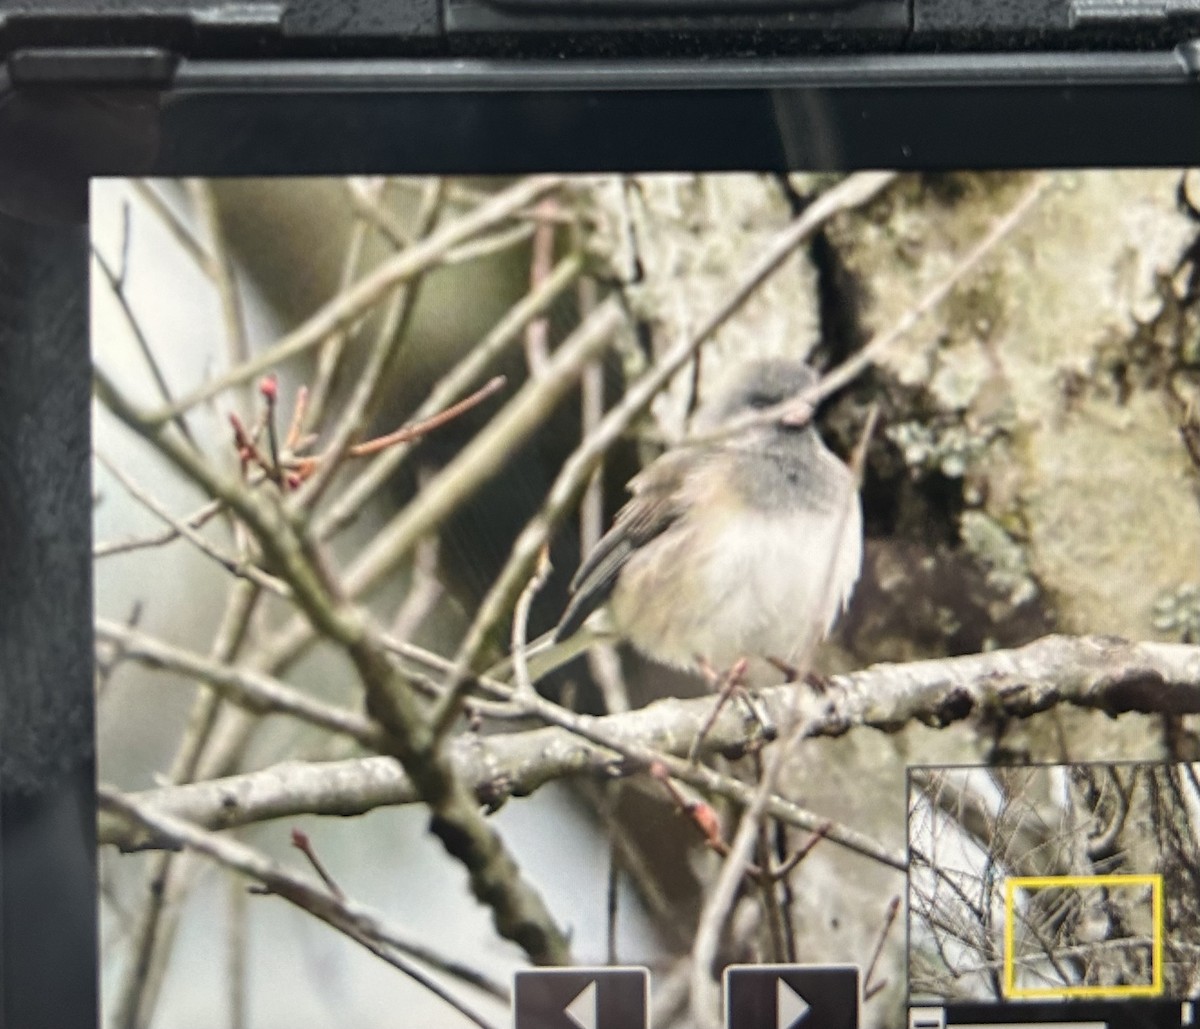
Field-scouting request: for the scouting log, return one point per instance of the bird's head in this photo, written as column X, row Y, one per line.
column 755, row 388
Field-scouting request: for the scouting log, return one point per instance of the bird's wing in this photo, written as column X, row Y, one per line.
column 655, row 506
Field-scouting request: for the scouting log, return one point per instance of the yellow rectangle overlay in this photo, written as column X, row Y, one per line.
column 1153, row 988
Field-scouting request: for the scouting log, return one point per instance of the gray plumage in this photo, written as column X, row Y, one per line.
column 745, row 545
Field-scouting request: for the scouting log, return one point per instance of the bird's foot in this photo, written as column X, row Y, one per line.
column 819, row 683
column 728, row 685
column 793, row 674
column 790, row 672
column 768, row 732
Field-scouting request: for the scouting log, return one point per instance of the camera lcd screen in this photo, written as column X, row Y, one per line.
column 776, row 596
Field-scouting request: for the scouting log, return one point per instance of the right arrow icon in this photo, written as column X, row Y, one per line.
column 791, row 997
column 790, row 1007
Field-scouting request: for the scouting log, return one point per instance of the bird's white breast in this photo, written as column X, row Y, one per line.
column 781, row 581
column 754, row 586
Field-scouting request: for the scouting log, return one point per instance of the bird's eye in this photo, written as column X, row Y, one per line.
column 759, row 401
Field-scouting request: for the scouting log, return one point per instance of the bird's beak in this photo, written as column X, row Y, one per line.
column 797, row 415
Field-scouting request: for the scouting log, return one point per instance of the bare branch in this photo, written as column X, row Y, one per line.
column 242, row 569
column 242, row 686
column 518, row 910
column 180, row 231
column 353, row 920
column 1100, row 673
column 720, row 895
column 329, row 355
column 350, row 304
column 446, row 392
column 107, row 548
column 485, row 455
column 801, row 408
column 220, row 268
column 371, row 381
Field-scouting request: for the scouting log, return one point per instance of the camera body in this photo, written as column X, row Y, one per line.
column 165, row 87
column 323, row 87
column 613, row 28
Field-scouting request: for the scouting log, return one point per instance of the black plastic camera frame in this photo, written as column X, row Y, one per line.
column 274, row 87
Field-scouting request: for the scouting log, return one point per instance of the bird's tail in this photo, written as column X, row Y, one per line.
column 545, row 654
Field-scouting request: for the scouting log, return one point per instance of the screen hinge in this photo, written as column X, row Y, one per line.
column 83, row 67
column 1189, row 56
column 1143, row 12
column 83, row 42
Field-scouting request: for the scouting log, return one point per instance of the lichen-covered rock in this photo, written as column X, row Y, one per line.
column 1017, row 377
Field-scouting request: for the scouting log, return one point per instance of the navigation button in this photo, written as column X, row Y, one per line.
column 584, row 1010
column 581, row 998
column 790, row 1006
column 791, row 997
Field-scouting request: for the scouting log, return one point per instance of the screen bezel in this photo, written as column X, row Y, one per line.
column 322, row 118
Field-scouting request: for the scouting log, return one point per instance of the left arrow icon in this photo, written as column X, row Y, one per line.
column 579, row 998
column 582, row 1010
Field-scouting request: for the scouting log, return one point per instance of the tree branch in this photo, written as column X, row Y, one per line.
column 350, row 304
column 353, row 920
column 1098, row 673
column 519, row 912
column 242, row 686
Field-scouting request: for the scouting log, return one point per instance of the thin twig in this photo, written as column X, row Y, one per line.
column 720, row 896
column 487, row 453
column 199, row 518
column 245, row 687
column 537, row 332
column 425, row 589
column 117, row 285
column 423, row 427
column 448, row 390
column 351, row 304
column 170, row 875
column 489, row 246
column 303, row 844
column 768, row 891
column 222, row 273
column 350, row 919
column 889, row 919
column 603, row 661
column 242, row 569
column 520, row 624
column 237, row 957
column 329, row 355
column 176, row 226
column 365, row 397
column 366, row 201
column 800, row 409
column 136, row 994
column 372, row 381
column 108, row 662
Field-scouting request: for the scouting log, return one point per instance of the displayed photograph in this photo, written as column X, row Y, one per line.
column 566, row 571
column 1054, row 882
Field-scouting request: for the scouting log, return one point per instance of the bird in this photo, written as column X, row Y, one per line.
column 744, row 543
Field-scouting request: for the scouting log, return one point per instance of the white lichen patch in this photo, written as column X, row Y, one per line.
column 1002, row 556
